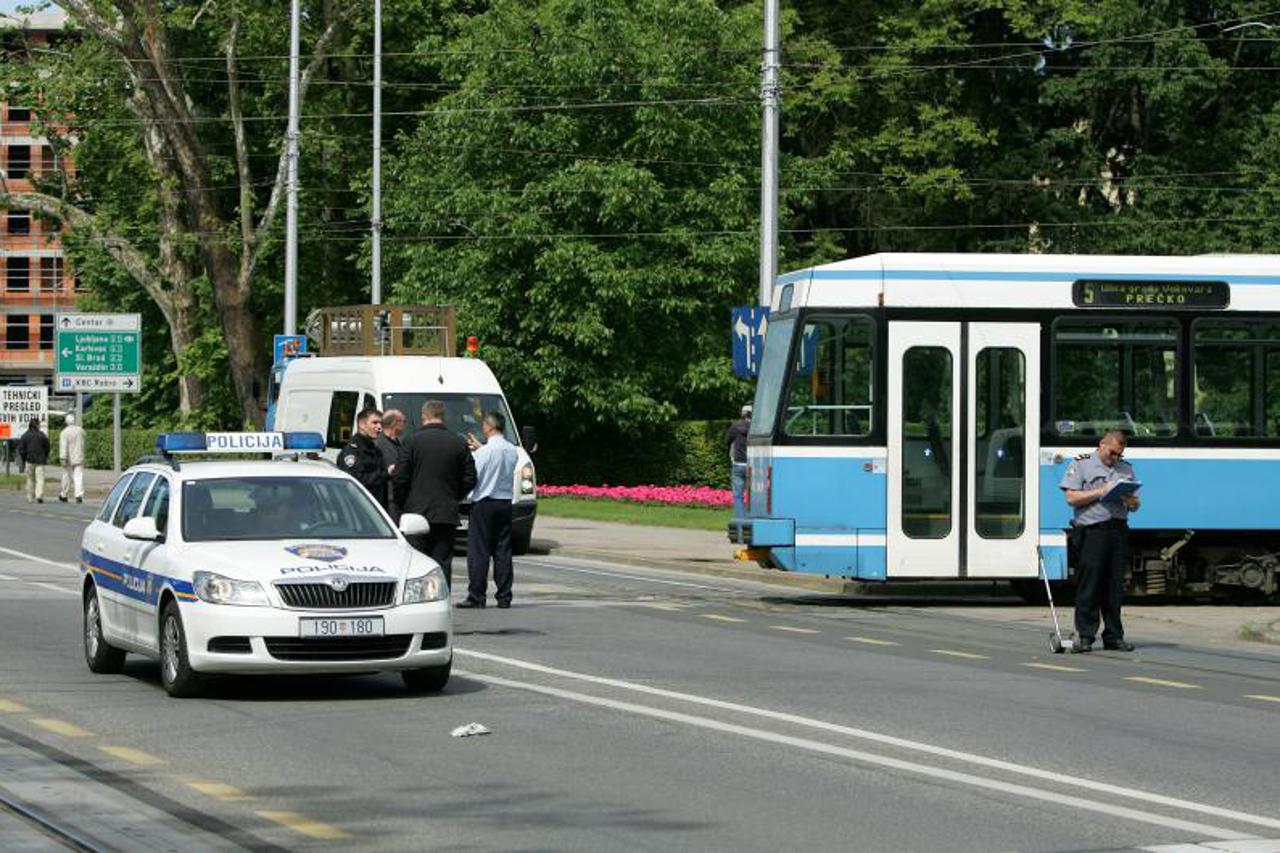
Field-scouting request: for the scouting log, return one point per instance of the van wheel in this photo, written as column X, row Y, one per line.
column 101, row 657
column 431, row 679
column 176, row 675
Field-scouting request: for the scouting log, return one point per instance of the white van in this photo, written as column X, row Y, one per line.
column 325, row 394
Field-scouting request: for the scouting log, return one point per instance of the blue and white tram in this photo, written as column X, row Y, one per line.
column 915, row 412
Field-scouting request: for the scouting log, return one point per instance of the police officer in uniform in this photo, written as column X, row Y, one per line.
column 1103, row 532
column 362, row 459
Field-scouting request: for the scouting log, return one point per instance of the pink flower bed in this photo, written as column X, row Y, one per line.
column 689, row 495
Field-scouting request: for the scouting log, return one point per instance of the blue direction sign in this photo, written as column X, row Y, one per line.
column 288, row 347
column 747, row 328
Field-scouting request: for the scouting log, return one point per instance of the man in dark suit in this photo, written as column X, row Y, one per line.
column 434, row 474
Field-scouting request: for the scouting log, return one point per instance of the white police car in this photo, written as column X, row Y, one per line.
column 252, row 566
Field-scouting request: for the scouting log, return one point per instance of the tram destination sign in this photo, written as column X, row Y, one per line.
column 1164, row 295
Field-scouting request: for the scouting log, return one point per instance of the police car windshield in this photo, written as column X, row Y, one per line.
column 248, row 508
column 462, row 412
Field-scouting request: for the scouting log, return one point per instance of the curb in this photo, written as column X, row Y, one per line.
column 1261, row 632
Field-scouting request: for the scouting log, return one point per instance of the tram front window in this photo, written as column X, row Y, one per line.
column 1115, row 375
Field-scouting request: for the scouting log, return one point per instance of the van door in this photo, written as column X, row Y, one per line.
column 963, row 456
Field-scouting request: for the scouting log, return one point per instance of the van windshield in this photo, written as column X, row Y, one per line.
column 462, row 412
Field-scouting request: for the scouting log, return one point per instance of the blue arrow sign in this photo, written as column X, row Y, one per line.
column 747, row 328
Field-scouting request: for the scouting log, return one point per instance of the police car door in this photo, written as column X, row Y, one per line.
column 151, row 559
column 123, row 555
column 99, row 544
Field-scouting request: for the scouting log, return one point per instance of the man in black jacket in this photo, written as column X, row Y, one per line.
column 435, row 473
column 362, row 459
column 33, row 447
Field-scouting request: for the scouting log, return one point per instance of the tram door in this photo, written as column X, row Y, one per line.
column 963, row 456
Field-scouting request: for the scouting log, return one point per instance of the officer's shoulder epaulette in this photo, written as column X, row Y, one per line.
column 1083, row 456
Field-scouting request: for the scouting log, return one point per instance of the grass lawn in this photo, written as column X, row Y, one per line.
column 628, row 512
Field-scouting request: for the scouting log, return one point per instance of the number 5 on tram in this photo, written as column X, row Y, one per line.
column 915, row 413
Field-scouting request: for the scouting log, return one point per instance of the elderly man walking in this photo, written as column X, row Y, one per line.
column 33, row 447
column 71, row 454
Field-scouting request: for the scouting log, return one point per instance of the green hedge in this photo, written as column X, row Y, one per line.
column 134, row 444
column 689, row 453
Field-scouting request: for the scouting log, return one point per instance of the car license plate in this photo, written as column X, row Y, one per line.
column 360, row 626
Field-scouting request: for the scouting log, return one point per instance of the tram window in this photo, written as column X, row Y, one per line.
column 999, row 443
column 1115, row 375
column 773, row 375
column 832, row 379
column 926, row 442
column 1237, row 379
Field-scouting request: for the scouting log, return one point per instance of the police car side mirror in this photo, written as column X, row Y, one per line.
column 412, row 524
column 143, row 529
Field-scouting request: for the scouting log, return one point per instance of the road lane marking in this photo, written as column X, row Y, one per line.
column 1056, row 667
column 75, row 567
column 133, row 756
column 8, row 706
column 667, row 607
column 926, row 770
column 717, row 617
column 217, row 790
column 305, row 825
column 872, row 641
column 955, row 654
column 55, row 588
column 877, row 737
column 7, row 578
column 61, row 727
column 794, row 630
column 1163, row 682
column 1261, row 697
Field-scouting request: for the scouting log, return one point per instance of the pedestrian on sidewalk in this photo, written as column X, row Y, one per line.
column 33, row 447
column 71, row 455
column 1102, row 528
column 736, row 440
column 391, row 446
column 433, row 476
column 489, row 534
column 362, row 459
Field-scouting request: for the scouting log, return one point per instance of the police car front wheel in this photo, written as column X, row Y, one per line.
column 431, row 679
column 176, row 674
column 101, row 657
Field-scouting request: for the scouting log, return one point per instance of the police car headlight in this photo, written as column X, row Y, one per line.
column 219, row 589
column 527, row 482
column 428, row 587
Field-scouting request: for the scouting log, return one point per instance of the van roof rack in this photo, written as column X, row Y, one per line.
column 383, row 330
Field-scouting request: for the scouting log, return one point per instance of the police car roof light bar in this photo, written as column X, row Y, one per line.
column 238, row 442
column 306, row 441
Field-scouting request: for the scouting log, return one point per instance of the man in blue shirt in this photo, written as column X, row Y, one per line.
column 1102, row 525
column 489, row 527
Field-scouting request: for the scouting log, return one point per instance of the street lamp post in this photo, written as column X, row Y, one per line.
column 769, row 153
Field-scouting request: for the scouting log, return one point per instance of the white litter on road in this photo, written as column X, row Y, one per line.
column 470, row 730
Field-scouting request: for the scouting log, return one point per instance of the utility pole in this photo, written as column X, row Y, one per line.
column 376, row 223
column 291, row 180
column 769, row 91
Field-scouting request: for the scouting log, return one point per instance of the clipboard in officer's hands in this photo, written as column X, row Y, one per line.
column 1121, row 490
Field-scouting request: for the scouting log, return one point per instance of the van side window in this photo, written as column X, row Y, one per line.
column 342, row 418
column 369, row 403
column 109, row 505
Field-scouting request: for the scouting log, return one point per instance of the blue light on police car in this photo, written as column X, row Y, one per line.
column 303, row 441
column 179, row 442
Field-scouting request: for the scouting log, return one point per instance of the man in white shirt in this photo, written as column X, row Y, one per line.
column 71, row 454
column 489, row 525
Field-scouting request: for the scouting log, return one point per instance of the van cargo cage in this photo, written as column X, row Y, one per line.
column 384, row 330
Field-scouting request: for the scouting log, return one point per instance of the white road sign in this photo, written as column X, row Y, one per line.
column 18, row 405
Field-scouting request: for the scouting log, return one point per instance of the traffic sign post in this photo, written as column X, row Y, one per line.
column 100, row 353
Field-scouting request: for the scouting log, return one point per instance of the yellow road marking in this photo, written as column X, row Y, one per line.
column 8, row 706
column 217, row 790
column 305, row 825
column 1162, row 682
column 719, row 618
column 955, row 654
column 872, row 641
column 61, row 728
column 1056, row 667
column 1262, row 697
column 131, row 755
column 794, row 630
column 665, row 606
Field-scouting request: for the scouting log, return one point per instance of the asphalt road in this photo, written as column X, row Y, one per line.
column 639, row 709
